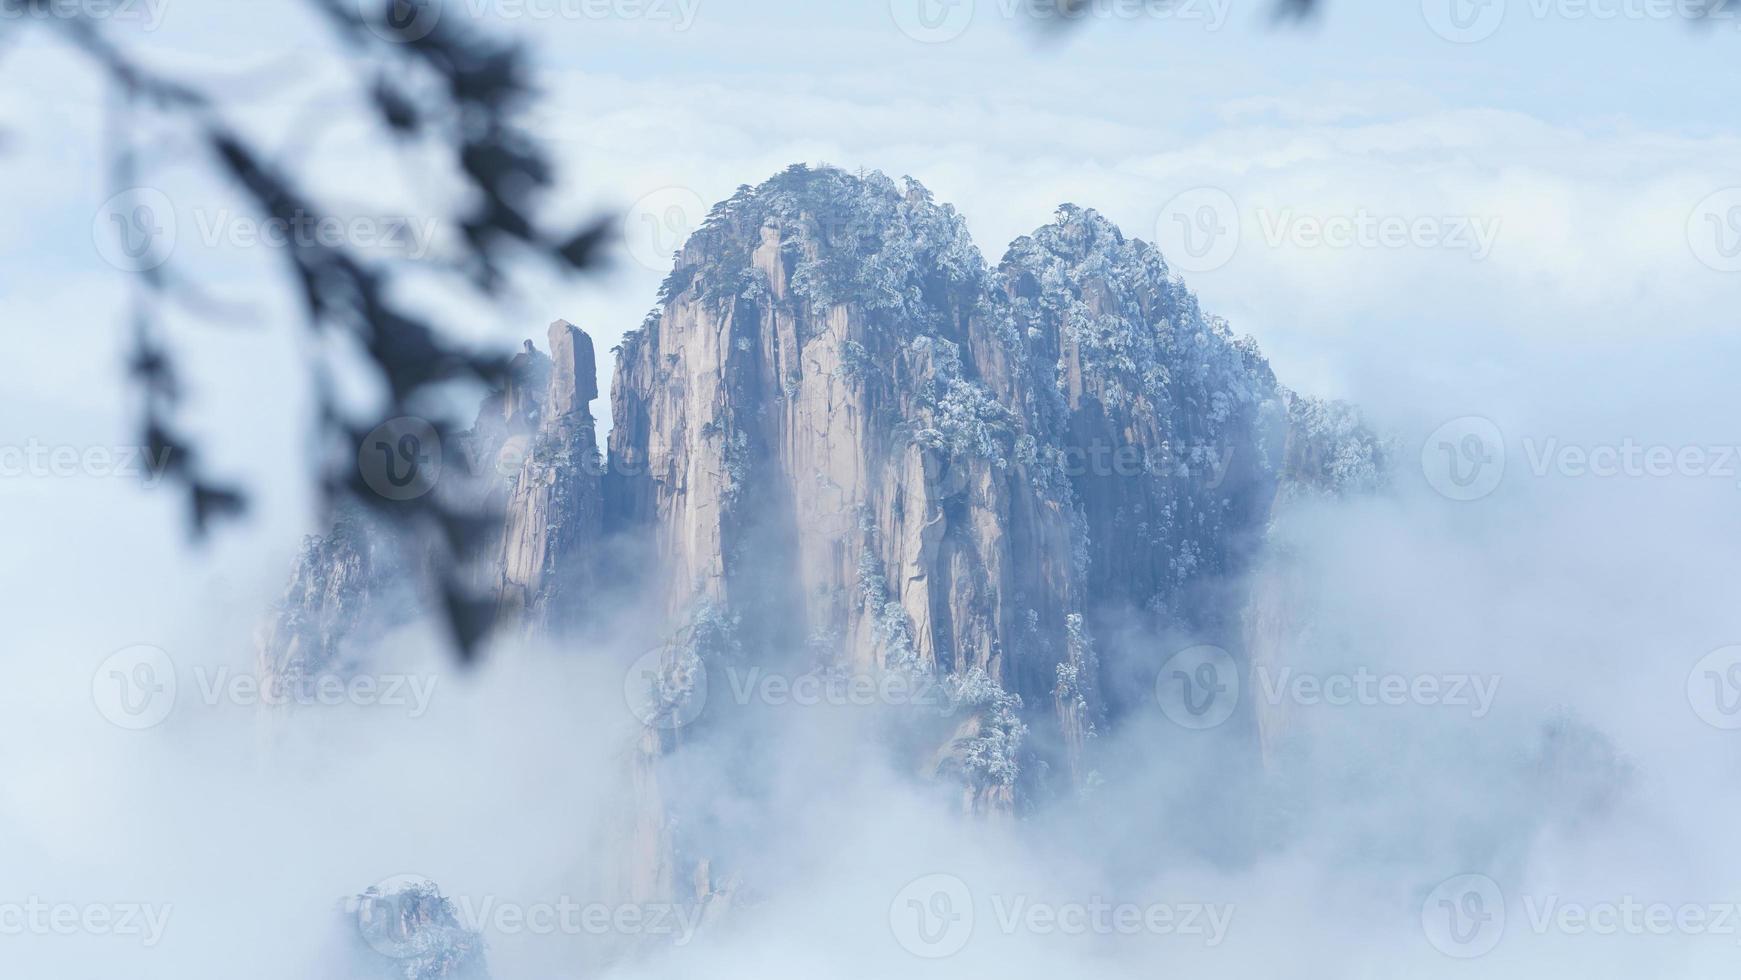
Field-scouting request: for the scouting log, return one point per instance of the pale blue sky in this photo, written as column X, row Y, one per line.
column 1585, row 143
column 1599, row 309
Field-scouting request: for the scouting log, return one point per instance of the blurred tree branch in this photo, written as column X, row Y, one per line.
column 445, row 84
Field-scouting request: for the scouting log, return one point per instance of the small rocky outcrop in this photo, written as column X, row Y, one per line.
column 531, row 459
column 554, row 512
column 405, row 930
column 347, row 588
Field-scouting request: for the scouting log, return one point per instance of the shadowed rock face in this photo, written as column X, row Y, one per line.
column 843, row 443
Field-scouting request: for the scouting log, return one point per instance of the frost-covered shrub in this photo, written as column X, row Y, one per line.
column 1330, row 449
column 1137, row 329
column 713, row 633
column 889, row 628
column 861, row 238
column 735, row 455
column 962, row 419
column 755, row 287
column 855, row 361
column 1076, row 670
column 992, row 756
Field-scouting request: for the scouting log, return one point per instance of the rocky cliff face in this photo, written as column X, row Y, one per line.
column 1329, row 452
column 881, row 454
column 846, row 445
column 821, row 432
column 347, row 586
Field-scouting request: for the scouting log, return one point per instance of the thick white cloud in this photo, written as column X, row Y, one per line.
column 1591, row 321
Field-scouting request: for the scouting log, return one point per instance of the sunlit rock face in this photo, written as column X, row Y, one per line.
column 822, row 433
column 876, row 452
